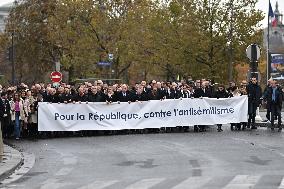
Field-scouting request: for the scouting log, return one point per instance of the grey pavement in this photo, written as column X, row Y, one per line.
column 210, row 160
column 12, row 159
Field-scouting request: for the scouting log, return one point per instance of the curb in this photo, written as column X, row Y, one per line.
column 12, row 160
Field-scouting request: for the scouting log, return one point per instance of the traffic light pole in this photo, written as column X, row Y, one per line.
column 254, row 62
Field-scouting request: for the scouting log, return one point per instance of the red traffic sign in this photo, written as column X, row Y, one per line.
column 56, row 77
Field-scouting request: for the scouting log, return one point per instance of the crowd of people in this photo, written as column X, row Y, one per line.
column 19, row 104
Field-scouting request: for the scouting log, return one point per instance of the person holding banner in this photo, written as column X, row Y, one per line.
column 220, row 93
column 110, row 96
column 124, row 95
column 95, row 96
column 254, row 96
column 81, row 96
column 67, row 97
column 200, row 93
column 140, row 95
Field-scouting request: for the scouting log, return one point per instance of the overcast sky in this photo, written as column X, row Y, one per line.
column 262, row 5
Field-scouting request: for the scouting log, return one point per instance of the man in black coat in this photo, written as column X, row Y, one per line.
column 60, row 94
column 267, row 88
column 67, row 97
column 124, row 95
column 274, row 98
column 51, row 96
column 254, row 95
column 220, row 93
column 203, row 91
column 174, row 92
column 5, row 115
column 140, row 95
column 81, row 96
column 96, row 96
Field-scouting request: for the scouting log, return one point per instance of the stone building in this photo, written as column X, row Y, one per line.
column 276, row 34
column 4, row 12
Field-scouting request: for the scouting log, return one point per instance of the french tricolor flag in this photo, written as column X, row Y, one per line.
column 272, row 16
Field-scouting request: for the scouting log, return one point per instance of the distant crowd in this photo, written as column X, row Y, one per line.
column 19, row 104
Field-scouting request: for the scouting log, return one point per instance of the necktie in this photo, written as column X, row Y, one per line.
column 273, row 94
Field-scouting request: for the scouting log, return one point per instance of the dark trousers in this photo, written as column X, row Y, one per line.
column 251, row 120
column 219, row 126
column 6, row 127
column 252, row 113
column 268, row 114
column 275, row 111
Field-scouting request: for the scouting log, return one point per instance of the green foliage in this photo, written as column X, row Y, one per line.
column 148, row 38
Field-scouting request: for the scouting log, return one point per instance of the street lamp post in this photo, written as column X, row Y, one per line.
column 231, row 42
column 13, row 51
column 13, row 59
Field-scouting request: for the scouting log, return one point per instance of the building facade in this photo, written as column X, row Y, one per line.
column 4, row 12
column 276, row 33
column 276, row 45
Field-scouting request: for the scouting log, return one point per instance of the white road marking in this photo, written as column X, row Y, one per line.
column 192, row 183
column 281, row 186
column 99, row 184
column 243, row 182
column 145, row 183
column 54, row 184
column 70, row 160
column 64, row 171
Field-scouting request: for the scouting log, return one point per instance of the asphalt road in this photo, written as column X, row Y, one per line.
column 238, row 159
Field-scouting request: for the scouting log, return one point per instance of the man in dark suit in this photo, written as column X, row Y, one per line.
column 96, row 96
column 266, row 89
column 124, row 95
column 203, row 91
column 175, row 92
column 274, row 98
column 254, row 95
column 220, row 93
column 140, row 95
column 81, row 96
column 5, row 115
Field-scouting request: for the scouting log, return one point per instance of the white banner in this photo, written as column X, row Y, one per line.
column 140, row 115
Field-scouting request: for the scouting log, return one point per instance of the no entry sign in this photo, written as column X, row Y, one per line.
column 56, row 77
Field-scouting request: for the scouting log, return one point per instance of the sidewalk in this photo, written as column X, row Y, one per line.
column 12, row 159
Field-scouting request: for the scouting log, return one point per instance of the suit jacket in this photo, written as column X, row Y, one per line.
column 1, row 109
column 155, row 95
column 254, row 93
column 7, row 107
column 221, row 94
column 124, row 97
column 185, row 94
column 199, row 92
column 141, row 97
column 98, row 97
column 175, row 94
column 278, row 97
column 79, row 98
column 111, row 98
